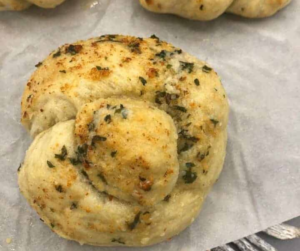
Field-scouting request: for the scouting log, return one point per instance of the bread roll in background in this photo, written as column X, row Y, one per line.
column 18, row 5
column 210, row 9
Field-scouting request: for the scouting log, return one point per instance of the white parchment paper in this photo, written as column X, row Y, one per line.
column 259, row 62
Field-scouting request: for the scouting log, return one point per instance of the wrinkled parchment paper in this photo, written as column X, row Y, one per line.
column 259, row 62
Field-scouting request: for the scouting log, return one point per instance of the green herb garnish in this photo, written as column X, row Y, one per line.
column 73, row 206
column 180, row 108
column 73, row 49
column 189, row 164
column 99, row 68
column 189, row 176
column 50, row 164
column 215, row 122
column 201, row 156
column 74, row 161
column 136, row 220
column 101, row 176
column 59, row 188
column 187, row 66
column 119, row 240
column 63, row 154
column 184, row 134
column 113, row 154
column 154, row 37
column 161, row 54
column 186, row 147
column 197, row 82
column 135, row 47
column 158, row 97
column 144, row 81
column 107, row 119
column 38, row 64
column 206, row 69
column 91, row 126
column 97, row 138
column 124, row 113
column 167, row 198
column 56, row 54
column 84, row 174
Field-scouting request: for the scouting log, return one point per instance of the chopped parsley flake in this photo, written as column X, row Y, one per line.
column 38, row 64
column 135, row 47
column 108, row 119
column 206, row 69
column 189, row 164
column 215, row 122
column 144, row 81
column 50, row 164
column 73, row 49
column 91, row 126
column 74, row 161
column 201, row 156
column 161, row 54
column 99, row 68
column 63, row 154
column 187, row 66
column 180, row 108
column 186, row 147
column 119, row 240
column 101, row 176
column 189, row 176
column 154, row 37
column 98, row 138
column 56, row 54
column 59, row 188
column 124, row 113
column 73, row 206
column 134, row 223
column 167, row 198
column 84, row 174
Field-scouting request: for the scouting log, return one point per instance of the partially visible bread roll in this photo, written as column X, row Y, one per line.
column 18, row 5
column 211, row 9
column 14, row 5
column 130, row 135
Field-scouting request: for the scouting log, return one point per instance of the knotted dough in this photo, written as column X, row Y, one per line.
column 130, row 135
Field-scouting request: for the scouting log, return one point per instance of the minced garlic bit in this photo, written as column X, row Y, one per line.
column 8, row 240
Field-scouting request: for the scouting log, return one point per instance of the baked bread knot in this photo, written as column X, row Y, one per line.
column 18, row 5
column 211, row 9
column 130, row 135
